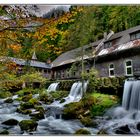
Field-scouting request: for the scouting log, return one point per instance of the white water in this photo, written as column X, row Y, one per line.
column 75, row 94
column 127, row 115
column 53, row 87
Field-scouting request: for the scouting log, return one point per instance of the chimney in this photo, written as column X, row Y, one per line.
column 105, row 35
column 49, row 61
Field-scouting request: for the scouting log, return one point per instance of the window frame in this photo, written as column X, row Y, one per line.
column 126, row 67
column 110, row 69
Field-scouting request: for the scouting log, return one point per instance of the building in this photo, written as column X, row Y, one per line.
column 113, row 56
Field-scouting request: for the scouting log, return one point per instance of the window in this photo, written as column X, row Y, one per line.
column 128, row 67
column 135, row 36
column 111, row 70
column 108, row 44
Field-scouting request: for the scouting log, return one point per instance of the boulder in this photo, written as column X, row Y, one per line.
column 26, row 98
column 138, row 126
column 10, row 122
column 26, row 105
column 26, row 111
column 102, row 132
column 62, row 101
column 37, row 115
column 88, row 122
column 8, row 100
column 4, row 132
column 123, row 130
column 82, row 132
column 28, row 125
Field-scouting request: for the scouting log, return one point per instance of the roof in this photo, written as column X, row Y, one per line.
column 72, row 55
column 124, row 43
column 33, row 63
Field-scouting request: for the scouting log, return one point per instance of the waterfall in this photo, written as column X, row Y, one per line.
column 131, row 95
column 75, row 94
column 53, row 87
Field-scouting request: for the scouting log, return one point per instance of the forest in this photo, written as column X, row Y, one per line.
column 59, row 31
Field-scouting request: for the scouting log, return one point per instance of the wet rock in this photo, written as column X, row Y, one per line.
column 123, row 130
column 26, row 105
column 102, row 132
column 62, row 101
column 28, row 125
column 138, row 126
column 9, row 100
column 82, row 132
column 4, row 132
column 37, row 115
column 88, row 122
column 26, row 97
column 40, row 108
column 10, row 122
column 27, row 111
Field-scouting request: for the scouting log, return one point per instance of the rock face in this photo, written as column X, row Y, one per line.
column 28, row 125
column 10, row 122
column 82, row 132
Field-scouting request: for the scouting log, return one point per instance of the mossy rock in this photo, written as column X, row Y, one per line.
column 5, row 94
column 4, row 132
column 88, row 122
column 26, row 98
column 37, row 115
column 45, row 98
column 102, row 132
column 62, row 100
column 28, row 125
column 26, row 105
column 82, row 132
column 27, row 111
column 40, row 108
column 34, row 101
column 9, row 100
column 10, row 122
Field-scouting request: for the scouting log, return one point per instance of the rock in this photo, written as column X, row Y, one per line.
column 88, row 122
column 87, row 112
column 138, row 126
column 123, row 130
column 27, row 111
column 102, row 132
column 4, row 132
column 26, row 105
column 9, row 100
column 28, row 125
column 10, row 122
column 26, row 98
column 40, row 108
column 37, row 115
column 62, row 101
column 82, row 132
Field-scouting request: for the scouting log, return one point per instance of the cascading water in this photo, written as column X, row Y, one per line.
column 75, row 94
column 53, row 87
column 125, row 119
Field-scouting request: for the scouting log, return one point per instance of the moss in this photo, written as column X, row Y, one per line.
column 58, row 95
column 26, row 105
column 26, row 111
column 26, row 98
column 40, row 108
column 82, row 132
column 103, row 102
column 9, row 100
column 28, row 125
column 34, row 101
column 5, row 94
column 88, row 122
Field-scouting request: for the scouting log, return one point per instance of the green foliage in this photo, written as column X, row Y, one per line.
column 103, row 102
column 58, row 95
column 5, row 94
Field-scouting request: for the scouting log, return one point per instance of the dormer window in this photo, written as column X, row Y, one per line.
column 108, row 44
column 135, row 36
